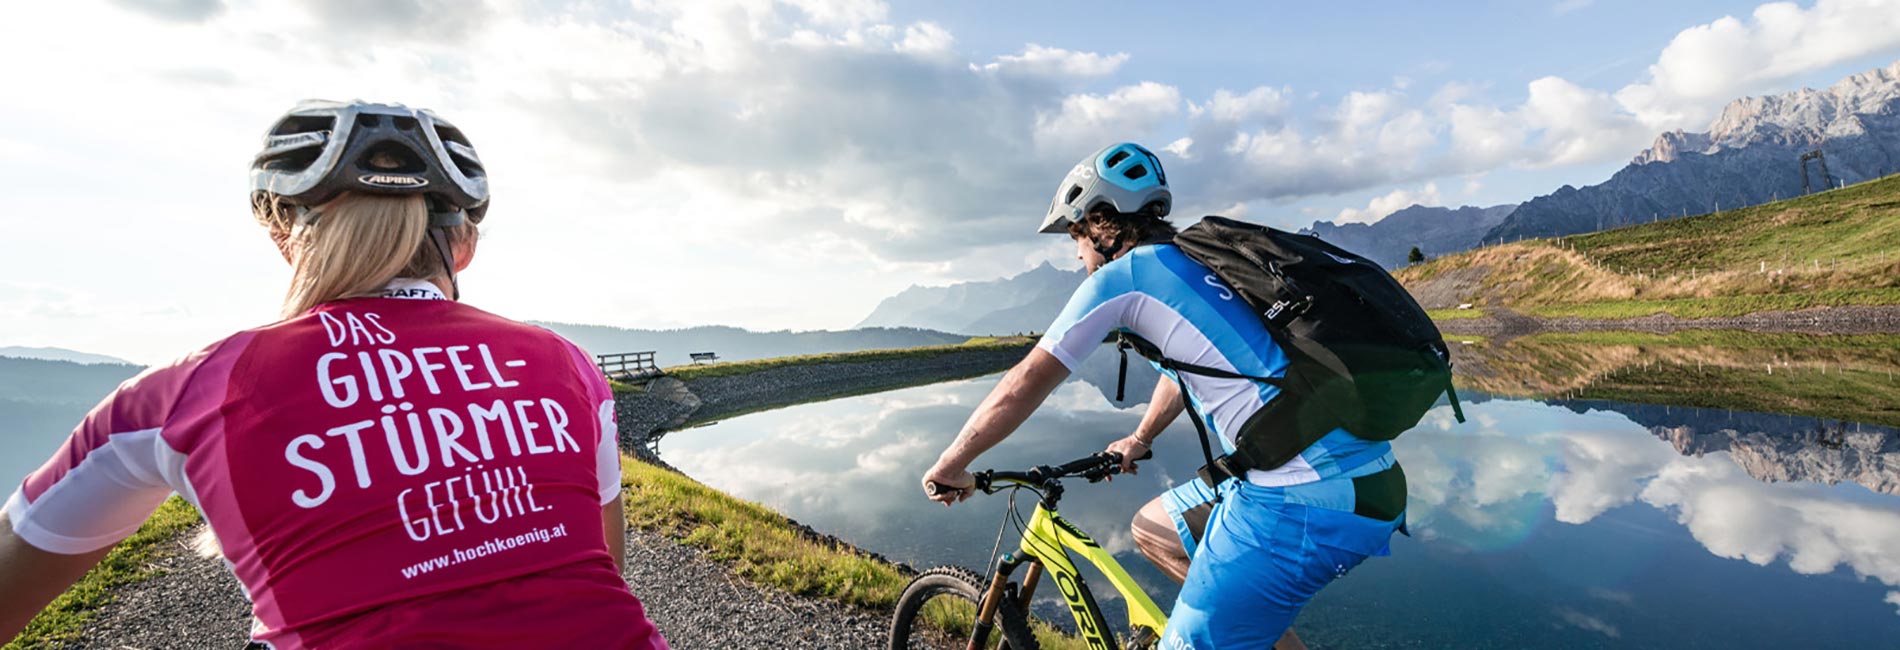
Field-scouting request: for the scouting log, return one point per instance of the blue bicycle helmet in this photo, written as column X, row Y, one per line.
column 322, row 148
column 1126, row 176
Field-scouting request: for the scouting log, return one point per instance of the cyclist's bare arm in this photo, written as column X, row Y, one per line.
column 1163, row 407
column 30, row 578
column 1011, row 402
column 613, row 520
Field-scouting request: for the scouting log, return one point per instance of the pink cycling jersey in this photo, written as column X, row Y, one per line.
column 379, row 472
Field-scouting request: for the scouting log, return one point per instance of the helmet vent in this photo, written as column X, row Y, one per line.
column 393, row 158
column 1074, row 193
column 303, row 124
column 295, row 160
column 1136, row 172
column 404, row 123
column 1117, row 158
column 450, row 134
column 368, row 121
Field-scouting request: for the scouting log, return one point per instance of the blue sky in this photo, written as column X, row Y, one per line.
column 781, row 164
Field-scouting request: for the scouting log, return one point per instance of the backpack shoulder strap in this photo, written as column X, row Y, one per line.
column 1148, row 350
column 1214, row 471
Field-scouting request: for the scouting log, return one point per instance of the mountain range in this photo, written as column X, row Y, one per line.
column 1434, row 230
column 1750, row 155
column 56, row 354
column 42, row 400
column 1772, row 447
column 1025, row 302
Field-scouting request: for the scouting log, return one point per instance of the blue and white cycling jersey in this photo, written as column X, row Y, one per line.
column 1160, row 294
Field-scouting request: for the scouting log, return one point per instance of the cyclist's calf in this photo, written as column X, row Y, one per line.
column 1158, row 540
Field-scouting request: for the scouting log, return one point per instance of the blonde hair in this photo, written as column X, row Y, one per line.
column 355, row 246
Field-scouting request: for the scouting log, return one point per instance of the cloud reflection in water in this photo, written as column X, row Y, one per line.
column 1516, row 485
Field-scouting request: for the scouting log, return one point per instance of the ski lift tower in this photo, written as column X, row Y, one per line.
column 1827, row 180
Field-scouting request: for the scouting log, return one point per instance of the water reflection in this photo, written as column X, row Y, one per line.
column 1572, row 521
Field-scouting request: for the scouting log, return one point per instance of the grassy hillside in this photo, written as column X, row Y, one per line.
column 1840, row 247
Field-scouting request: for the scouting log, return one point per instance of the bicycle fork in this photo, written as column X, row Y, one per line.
column 993, row 597
column 1081, row 604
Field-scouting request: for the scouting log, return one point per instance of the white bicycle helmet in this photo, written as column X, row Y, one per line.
column 1125, row 176
column 321, row 149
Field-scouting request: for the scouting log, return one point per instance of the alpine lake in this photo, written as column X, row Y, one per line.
column 1608, row 490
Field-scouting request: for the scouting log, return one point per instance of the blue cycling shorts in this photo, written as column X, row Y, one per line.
column 1264, row 554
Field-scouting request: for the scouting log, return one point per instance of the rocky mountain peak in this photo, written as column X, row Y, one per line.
column 1751, row 154
column 1798, row 118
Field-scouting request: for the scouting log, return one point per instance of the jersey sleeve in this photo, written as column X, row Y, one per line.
column 600, row 396
column 1100, row 306
column 115, row 469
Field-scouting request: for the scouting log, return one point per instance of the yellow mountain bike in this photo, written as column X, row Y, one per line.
column 954, row 607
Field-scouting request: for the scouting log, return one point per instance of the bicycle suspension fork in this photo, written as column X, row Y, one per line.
column 993, row 595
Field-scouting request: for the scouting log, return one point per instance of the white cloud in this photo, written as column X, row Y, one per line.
column 1038, row 60
column 1578, row 125
column 1705, row 66
column 1260, row 106
column 1587, row 622
column 1736, row 516
column 1382, row 206
column 1086, row 122
column 175, row 10
column 926, row 38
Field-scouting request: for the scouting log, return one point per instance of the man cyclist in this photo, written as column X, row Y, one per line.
column 1261, row 546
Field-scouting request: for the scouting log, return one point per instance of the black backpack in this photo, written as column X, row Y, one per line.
column 1361, row 352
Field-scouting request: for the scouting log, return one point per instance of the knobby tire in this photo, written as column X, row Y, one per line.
column 957, row 583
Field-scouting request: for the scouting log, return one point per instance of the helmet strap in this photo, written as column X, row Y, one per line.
column 440, row 236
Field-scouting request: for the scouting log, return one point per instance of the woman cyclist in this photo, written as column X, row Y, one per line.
column 384, row 467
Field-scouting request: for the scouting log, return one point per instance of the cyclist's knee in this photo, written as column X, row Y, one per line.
column 1156, row 538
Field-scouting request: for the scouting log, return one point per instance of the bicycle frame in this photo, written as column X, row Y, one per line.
column 1047, row 542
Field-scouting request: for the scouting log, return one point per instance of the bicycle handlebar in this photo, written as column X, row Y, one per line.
column 1094, row 467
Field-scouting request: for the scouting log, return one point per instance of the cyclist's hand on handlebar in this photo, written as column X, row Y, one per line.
column 1131, row 449
column 947, row 486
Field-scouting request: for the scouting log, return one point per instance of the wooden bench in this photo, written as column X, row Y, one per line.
column 631, row 367
column 704, row 357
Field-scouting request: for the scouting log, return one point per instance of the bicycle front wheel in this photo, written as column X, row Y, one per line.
column 938, row 610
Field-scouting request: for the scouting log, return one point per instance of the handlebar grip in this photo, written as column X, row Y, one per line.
column 931, row 488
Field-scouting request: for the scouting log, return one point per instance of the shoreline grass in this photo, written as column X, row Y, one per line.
column 1721, row 307
column 1728, row 339
column 1454, row 314
column 757, row 543
column 130, row 562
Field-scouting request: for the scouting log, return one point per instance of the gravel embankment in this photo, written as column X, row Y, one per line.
column 695, row 601
column 1824, row 320
column 196, row 604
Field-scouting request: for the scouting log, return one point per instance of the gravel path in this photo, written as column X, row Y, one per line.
column 197, row 604
column 699, row 604
column 696, row 602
